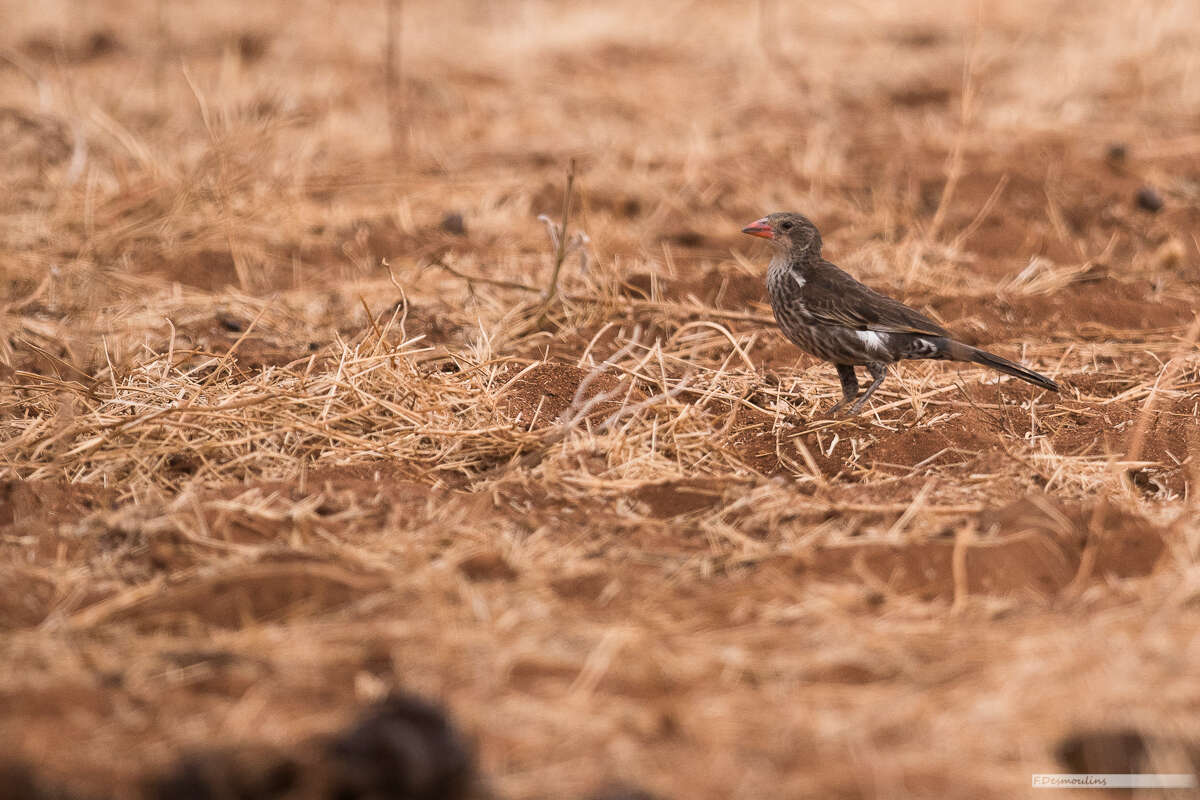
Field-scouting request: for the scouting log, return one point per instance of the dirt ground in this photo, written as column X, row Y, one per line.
column 287, row 420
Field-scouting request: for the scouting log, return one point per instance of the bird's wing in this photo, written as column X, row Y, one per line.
column 836, row 298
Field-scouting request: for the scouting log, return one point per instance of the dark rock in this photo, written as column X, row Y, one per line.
column 453, row 223
column 1119, row 751
column 1148, row 199
column 404, row 748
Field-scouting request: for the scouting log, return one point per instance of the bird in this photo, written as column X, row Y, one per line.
column 824, row 311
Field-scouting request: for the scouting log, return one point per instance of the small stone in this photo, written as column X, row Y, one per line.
column 1117, row 153
column 1149, row 199
column 453, row 223
column 403, row 747
column 1120, row 750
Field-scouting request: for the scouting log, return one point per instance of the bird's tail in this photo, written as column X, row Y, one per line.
column 964, row 352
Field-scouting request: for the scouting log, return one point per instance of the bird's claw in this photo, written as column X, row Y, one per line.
column 836, row 409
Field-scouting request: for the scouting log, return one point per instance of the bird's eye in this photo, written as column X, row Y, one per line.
column 787, row 226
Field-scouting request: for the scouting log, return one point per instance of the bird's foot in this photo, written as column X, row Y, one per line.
column 836, row 409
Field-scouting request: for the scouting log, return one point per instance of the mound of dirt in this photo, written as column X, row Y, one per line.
column 675, row 498
column 1034, row 547
column 541, row 396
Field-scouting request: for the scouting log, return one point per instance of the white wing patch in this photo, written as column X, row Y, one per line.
column 923, row 348
column 798, row 279
column 874, row 342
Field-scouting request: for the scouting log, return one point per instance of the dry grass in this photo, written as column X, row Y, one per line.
column 278, row 435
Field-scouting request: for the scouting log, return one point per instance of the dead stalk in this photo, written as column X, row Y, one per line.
column 560, row 240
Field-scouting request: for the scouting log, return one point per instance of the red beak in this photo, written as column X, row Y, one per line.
column 759, row 228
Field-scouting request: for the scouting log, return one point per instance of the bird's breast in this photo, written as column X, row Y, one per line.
column 786, row 288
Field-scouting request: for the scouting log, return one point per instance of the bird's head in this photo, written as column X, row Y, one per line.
column 789, row 233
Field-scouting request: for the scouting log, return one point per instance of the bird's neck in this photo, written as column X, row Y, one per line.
column 780, row 263
column 797, row 262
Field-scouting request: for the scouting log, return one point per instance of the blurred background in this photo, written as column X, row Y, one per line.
column 685, row 119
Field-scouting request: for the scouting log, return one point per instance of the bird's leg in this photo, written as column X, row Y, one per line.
column 849, row 385
column 878, row 371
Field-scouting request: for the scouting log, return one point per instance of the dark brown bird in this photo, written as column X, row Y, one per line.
column 824, row 311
